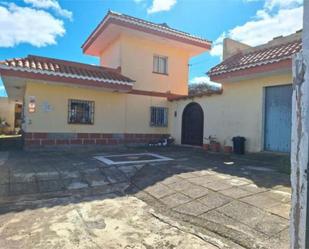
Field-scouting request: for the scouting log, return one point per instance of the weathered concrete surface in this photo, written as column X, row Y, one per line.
column 300, row 140
column 227, row 201
column 113, row 222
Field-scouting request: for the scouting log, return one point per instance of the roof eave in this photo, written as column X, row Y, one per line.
column 256, row 71
column 109, row 20
column 87, row 83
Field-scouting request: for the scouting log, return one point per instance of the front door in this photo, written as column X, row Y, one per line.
column 192, row 125
column 278, row 111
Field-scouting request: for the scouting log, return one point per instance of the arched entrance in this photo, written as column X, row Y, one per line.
column 192, row 125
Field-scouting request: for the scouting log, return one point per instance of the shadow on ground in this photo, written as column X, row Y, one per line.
column 243, row 201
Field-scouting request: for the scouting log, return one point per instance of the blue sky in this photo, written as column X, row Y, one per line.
column 58, row 28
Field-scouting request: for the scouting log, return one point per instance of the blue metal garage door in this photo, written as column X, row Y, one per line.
column 278, row 107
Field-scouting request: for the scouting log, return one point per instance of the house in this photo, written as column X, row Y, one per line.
column 124, row 100
column 256, row 100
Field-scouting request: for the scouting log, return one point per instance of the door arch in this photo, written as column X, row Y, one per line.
column 192, row 125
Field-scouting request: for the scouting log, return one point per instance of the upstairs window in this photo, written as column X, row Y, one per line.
column 80, row 112
column 158, row 116
column 160, row 64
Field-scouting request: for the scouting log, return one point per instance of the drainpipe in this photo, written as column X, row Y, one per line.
column 299, row 222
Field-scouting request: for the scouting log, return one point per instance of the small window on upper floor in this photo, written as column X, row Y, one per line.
column 160, row 64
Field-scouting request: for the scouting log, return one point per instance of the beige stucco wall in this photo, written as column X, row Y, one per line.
column 238, row 111
column 135, row 55
column 7, row 111
column 114, row 112
column 111, row 56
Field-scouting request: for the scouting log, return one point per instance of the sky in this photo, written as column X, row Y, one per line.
column 58, row 28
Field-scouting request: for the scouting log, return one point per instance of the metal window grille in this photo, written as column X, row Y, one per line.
column 160, row 64
column 80, row 112
column 158, row 116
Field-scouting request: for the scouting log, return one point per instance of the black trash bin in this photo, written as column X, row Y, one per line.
column 239, row 145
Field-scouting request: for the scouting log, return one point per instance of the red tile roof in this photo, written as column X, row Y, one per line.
column 136, row 23
column 256, row 57
column 72, row 72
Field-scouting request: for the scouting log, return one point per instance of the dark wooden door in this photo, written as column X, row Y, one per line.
column 192, row 125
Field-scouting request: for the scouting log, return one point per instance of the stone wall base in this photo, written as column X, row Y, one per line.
column 40, row 140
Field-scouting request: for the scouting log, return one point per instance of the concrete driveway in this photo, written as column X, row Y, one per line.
column 207, row 200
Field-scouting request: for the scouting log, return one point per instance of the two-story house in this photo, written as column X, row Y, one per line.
column 124, row 100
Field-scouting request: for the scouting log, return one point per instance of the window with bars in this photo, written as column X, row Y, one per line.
column 80, row 112
column 158, row 116
column 160, row 64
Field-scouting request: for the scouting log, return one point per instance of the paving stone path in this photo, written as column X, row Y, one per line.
column 241, row 203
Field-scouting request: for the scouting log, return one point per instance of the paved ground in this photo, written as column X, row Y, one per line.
column 207, row 200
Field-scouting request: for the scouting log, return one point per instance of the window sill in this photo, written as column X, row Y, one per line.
column 166, row 74
column 81, row 123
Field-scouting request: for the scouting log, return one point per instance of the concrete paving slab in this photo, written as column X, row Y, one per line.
column 50, row 186
column 170, row 180
column 195, row 192
column 260, row 200
column 281, row 196
column 23, row 188
column 159, row 190
column 175, row 200
column 4, row 190
column 113, row 174
column 214, row 200
column 283, row 210
column 192, row 208
column 75, row 183
column 235, row 192
column 180, row 185
column 202, row 180
column 254, row 217
column 218, row 185
column 128, row 170
column 253, row 188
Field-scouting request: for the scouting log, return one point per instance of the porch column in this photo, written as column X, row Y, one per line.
column 300, row 142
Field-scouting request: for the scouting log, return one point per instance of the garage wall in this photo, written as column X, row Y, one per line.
column 238, row 111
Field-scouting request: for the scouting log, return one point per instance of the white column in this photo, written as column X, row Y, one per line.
column 300, row 140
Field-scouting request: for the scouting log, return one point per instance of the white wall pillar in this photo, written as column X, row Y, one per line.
column 300, row 140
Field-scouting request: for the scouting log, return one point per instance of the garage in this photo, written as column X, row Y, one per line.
column 278, row 111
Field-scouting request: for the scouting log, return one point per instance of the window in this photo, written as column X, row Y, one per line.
column 158, row 116
column 160, row 64
column 80, row 112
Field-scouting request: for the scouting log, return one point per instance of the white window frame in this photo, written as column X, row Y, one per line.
column 160, row 64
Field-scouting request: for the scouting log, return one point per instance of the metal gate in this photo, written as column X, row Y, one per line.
column 278, row 107
column 192, row 125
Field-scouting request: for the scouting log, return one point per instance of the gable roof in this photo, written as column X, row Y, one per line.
column 261, row 56
column 37, row 67
column 142, row 25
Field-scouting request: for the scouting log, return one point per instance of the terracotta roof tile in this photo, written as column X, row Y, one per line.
column 162, row 28
column 256, row 57
column 67, row 69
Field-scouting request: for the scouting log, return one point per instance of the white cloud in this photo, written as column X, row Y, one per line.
column 265, row 25
column 50, row 4
column 27, row 25
column 204, row 80
column 271, row 4
column 161, row 5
